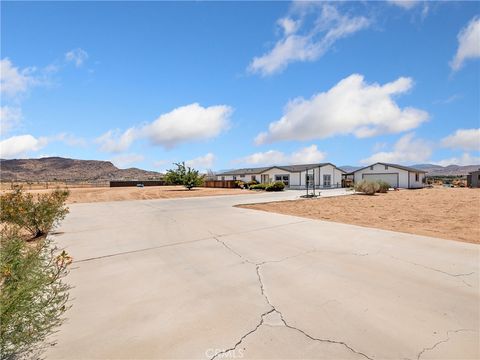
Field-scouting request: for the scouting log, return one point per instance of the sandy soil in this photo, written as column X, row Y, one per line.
column 448, row 213
column 88, row 195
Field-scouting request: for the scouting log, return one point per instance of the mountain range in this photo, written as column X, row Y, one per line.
column 64, row 169
column 432, row 169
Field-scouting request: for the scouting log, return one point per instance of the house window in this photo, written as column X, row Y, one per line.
column 283, row 178
column 327, row 180
column 386, row 167
column 223, row 178
column 234, row 178
column 478, row 177
column 242, row 176
column 254, row 178
column 417, row 176
column 371, row 167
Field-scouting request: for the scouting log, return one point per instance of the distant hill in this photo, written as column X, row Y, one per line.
column 349, row 168
column 450, row 170
column 63, row 169
column 432, row 169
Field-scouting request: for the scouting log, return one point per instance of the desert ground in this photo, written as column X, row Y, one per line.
column 198, row 278
column 101, row 194
column 448, row 213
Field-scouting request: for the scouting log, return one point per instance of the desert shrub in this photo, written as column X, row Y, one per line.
column 276, row 186
column 258, row 187
column 383, row 186
column 33, row 296
column 252, row 182
column 36, row 214
column 184, row 175
column 241, row 184
column 367, row 187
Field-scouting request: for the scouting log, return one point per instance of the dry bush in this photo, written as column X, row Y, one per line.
column 383, row 186
column 367, row 187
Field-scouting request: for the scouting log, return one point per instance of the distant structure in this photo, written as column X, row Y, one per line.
column 123, row 183
column 473, row 179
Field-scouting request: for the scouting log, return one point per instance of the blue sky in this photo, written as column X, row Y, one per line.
column 230, row 84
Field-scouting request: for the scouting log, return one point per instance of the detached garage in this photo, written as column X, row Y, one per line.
column 398, row 176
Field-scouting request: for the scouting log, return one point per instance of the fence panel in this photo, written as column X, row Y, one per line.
column 230, row 184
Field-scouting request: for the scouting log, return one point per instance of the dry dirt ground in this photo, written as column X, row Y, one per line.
column 100, row 194
column 448, row 213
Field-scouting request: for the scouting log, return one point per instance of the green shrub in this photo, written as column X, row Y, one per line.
column 252, row 182
column 33, row 297
column 383, row 186
column 276, row 186
column 35, row 214
column 367, row 187
column 258, row 187
column 184, row 175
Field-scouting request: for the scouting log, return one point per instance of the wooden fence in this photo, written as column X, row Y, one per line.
column 122, row 183
column 230, row 184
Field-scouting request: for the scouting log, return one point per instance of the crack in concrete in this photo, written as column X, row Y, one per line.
column 244, row 336
column 178, row 243
column 274, row 309
column 434, row 269
column 441, row 341
column 325, row 340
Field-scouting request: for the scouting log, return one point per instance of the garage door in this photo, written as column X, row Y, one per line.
column 392, row 179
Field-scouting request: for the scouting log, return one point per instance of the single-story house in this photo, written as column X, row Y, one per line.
column 323, row 175
column 398, row 176
column 473, row 179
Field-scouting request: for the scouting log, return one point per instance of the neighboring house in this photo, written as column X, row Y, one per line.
column 473, row 179
column 324, row 175
column 398, row 176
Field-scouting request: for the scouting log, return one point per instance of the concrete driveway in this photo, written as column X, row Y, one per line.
column 199, row 279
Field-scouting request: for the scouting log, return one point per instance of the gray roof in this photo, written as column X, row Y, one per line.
column 289, row 168
column 406, row 168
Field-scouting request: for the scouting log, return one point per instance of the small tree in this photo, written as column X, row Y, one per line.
column 184, row 175
column 36, row 214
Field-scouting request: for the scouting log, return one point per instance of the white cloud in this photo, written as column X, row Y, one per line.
column 405, row 4
column 288, row 25
column 464, row 139
column 468, row 44
column 115, row 142
column 14, row 81
column 309, row 154
column 123, row 161
column 406, row 150
column 10, row 118
column 187, row 123
column 350, row 107
column 465, row 159
column 202, row 162
column 77, row 56
column 20, row 146
column 329, row 27
column 184, row 124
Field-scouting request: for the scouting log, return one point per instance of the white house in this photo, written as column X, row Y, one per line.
column 324, row 175
column 398, row 176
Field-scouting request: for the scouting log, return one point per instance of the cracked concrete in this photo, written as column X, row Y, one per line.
column 198, row 278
